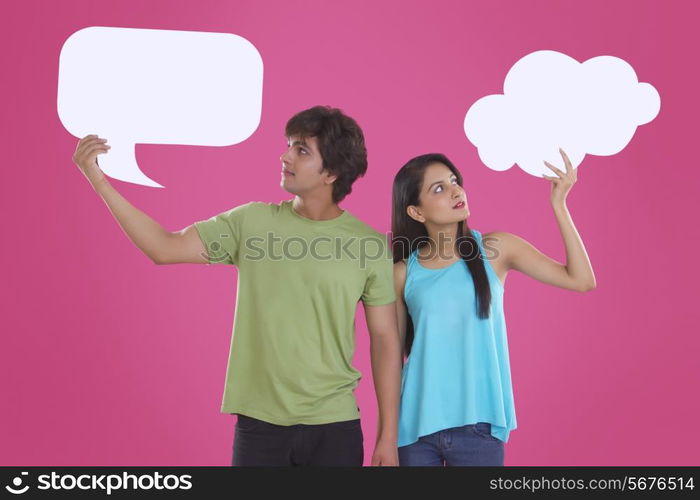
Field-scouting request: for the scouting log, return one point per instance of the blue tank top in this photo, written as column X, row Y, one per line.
column 458, row 370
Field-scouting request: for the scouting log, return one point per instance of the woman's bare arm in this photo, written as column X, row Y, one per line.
column 577, row 274
column 401, row 312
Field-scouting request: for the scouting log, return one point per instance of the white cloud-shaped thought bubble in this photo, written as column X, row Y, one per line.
column 550, row 100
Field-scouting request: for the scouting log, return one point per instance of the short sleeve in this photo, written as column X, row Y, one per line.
column 222, row 235
column 379, row 287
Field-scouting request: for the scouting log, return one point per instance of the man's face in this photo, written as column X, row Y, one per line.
column 302, row 167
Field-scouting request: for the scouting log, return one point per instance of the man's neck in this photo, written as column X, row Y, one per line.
column 316, row 209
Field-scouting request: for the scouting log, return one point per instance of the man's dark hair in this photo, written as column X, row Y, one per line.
column 340, row 141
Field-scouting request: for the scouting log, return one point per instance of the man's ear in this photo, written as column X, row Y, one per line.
column 415, row 213
column 330, row 178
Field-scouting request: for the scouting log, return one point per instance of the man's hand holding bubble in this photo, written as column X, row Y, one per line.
column 85, row 157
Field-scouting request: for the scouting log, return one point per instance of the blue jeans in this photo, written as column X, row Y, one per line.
column 459, row 446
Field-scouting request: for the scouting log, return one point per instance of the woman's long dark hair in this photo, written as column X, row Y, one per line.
column 409, row 234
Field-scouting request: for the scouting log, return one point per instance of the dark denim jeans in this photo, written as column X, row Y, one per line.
column 459, row 446
column 260, row 443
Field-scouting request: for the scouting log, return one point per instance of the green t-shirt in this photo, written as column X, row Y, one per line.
column 299, row 282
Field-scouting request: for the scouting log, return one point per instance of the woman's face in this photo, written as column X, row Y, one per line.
column 441, row 200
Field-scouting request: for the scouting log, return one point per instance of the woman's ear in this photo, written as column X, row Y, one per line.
column 415, row 214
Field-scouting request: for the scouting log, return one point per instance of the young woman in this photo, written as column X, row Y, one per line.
column 456, row 394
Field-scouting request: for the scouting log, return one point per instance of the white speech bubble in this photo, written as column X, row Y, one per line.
column 550, row 100
column 157, row 87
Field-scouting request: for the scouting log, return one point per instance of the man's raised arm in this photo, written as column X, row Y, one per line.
column 159, row 245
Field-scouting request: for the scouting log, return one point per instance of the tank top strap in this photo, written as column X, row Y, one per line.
column 411, row 261
column 412, row 268
column 479, row 240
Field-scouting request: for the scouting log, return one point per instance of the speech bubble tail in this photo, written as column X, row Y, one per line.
column 120, row 163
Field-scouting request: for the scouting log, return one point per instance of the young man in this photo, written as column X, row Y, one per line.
column 303, row 266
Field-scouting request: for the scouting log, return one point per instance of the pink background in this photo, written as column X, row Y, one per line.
column 108, row 359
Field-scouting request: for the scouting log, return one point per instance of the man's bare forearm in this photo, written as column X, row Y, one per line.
column 386, row 369
column 147, row 234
